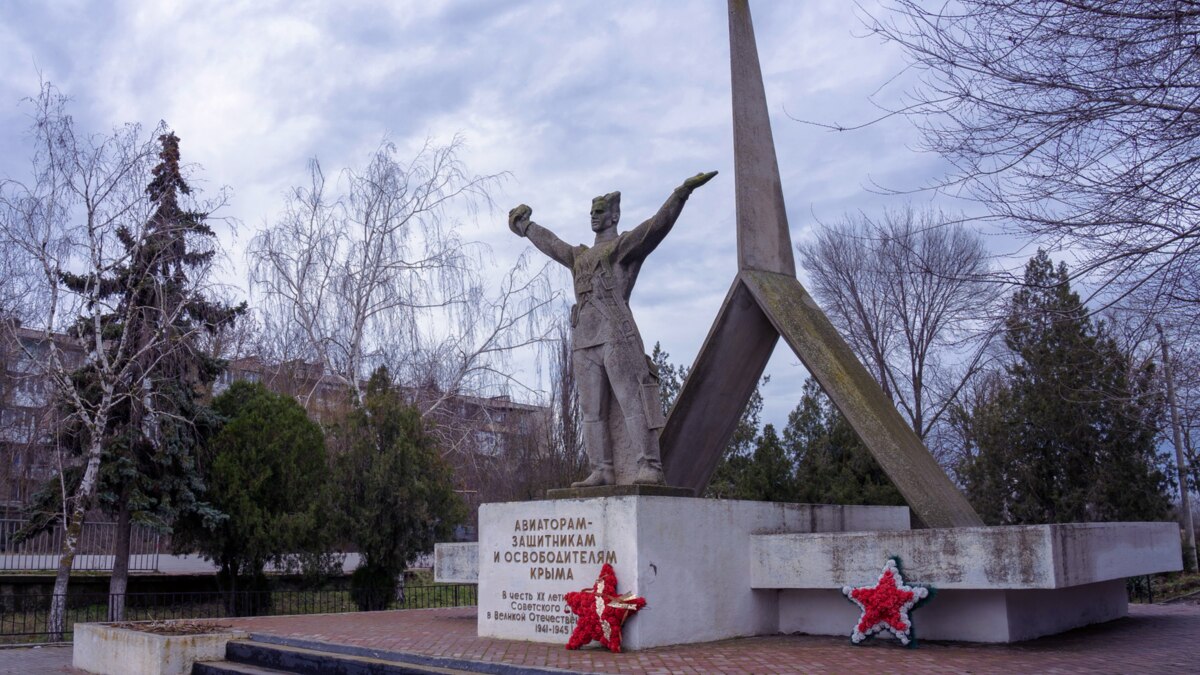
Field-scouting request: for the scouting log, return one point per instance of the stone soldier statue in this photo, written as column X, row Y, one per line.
column 609, row 359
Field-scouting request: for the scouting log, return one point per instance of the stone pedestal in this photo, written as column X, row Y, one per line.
column 690, row 558
column 716, row 569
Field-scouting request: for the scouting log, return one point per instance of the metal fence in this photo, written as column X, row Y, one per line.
column 94, row 553
column 23, row 616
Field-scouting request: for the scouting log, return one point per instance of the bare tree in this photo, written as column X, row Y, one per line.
column 911, row 294
column 549, row 454
column 1077, row 120
column 376, row 273
column 75, row 226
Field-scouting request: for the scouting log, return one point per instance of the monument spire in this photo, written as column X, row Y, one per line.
column 764, row 241
column 766, row 302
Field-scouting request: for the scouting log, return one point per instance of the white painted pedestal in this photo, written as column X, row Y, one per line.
column 715, row 569
column 690, row 558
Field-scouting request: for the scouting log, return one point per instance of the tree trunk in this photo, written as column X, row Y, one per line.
column 1185, row 502
column 56, row 621
column 119, row 581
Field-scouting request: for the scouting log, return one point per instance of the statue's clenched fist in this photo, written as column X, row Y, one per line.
column 518, row 219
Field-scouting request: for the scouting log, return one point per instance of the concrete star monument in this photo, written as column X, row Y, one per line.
column 712, row 569
column 765, row 302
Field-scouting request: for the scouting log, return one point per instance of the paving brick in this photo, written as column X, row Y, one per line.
column 36, row 661
column 1154, row 638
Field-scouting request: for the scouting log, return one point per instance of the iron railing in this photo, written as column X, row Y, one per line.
column 94, row 553
column 24, row 615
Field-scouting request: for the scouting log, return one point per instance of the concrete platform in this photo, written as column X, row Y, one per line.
column 755, row 568
column 995, row 584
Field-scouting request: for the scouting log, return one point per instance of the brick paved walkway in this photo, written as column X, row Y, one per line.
column 36, row 661
column 1154, row 638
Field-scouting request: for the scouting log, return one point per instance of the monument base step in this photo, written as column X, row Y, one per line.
column 619, row 491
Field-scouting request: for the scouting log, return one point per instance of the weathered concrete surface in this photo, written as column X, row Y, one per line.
column 663, row 548
column 995, row 584
column 966, row 615
column 763, row 238
column 119, row 651
column 456, row 563
column 900, row 453
column 1013, row 557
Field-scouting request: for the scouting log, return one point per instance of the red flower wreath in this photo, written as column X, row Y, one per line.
column 601, row 611
column 886, row 605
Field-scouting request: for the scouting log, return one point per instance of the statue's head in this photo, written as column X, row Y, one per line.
column 606, row 211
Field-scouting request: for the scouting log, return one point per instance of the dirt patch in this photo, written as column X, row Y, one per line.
column 173, row 627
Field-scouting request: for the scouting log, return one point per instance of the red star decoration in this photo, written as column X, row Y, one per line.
column 885, row 606
column 601, row 611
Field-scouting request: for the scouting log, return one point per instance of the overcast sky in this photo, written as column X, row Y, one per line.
column 573, row 99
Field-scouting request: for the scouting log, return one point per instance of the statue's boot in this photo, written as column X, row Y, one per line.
column 649, row 473
column 601, row 475
column 649, row 462
column 594, row 441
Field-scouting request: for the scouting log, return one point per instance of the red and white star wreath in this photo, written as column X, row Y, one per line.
column 886, row 605
column 601, row 611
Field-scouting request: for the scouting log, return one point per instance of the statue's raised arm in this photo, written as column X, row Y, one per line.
column 644, row 238
column 546, row 241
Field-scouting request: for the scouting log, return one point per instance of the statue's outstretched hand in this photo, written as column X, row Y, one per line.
column 698, row 180
column 518, row 219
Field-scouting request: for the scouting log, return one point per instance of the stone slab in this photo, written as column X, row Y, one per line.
column 688, row 557
column 620, row 491
column 456, row 563
column 996, row 616
column 104, row 649
column 1013, row 557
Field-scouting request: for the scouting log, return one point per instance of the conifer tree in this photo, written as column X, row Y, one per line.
column 1067, row 432
column 149, row 471
column 267, row 474
column 395, row 492
column 832, row 464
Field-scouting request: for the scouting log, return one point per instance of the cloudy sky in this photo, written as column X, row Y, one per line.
column 572, row 99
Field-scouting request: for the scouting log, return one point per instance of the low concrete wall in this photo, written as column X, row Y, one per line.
column 103, row 649
column 456, row 563
column 1018, row 557
column 997, row 616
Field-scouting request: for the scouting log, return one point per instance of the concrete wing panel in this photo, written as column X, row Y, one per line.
column 795, row 315
column 719, row 385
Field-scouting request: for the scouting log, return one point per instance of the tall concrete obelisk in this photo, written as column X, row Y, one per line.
column 765, row 302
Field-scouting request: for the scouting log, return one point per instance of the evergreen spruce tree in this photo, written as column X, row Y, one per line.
column 1067, row 433
column 149, row 472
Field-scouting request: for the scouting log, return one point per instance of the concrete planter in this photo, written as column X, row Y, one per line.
column 100, row 648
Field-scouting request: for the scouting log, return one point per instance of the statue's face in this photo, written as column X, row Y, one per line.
column 602, row 216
